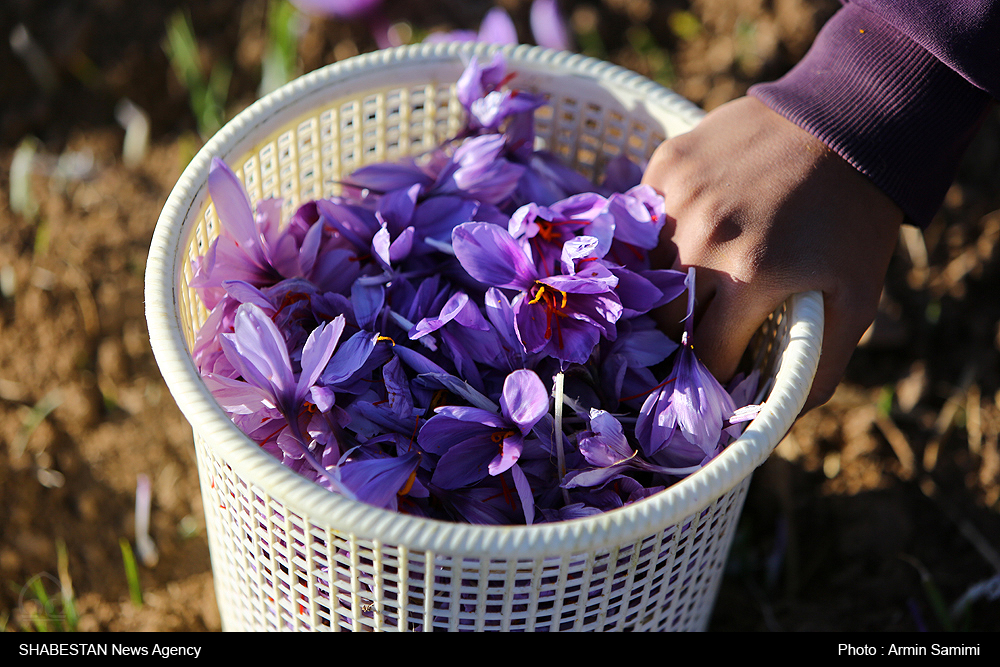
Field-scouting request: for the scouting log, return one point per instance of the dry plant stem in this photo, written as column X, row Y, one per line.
column 66, row 585
column 965, row 526
column 946, row 418
column 558, row 395
column 900, row 444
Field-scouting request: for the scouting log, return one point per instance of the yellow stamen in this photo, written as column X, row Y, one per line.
column 540, row 294
column 409, row 484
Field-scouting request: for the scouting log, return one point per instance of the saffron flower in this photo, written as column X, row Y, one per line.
column 348, row 9
column 258, row 351
column 563, row 316
column 691, row 408
column 548, row 26
column 474, row 443
column 606, row 448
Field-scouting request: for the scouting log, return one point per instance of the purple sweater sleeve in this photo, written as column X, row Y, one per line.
column 898, row 88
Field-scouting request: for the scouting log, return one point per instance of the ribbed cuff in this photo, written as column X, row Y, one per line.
column 884, row 104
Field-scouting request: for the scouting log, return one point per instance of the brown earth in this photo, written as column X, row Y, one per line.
column 877, row 504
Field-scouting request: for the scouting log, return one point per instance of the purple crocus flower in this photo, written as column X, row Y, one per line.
column 548, row 26
column 348, row 9
column 474, row 443
column 257, row 349
column 496, row 28
column 563, row 316
column 254, row 248
column 690, row 403
column 606, row 448
column 366, row 11
column 479, row 170
column 240, row 252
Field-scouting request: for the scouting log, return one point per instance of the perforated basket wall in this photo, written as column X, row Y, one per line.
column 286, row 553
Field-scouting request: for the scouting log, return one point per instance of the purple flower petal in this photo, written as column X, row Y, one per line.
column 524, row 399
column 435, row 217
column 497, row 28
column 524, row 493
column 621, row 174
column 478, row 171
column 386, row 177
column 233, row 208
column 397, row 388
column 458, row 306
column 578, row 247
column 347, row 9
column 635, row 224
column 490, row 255
column 261, row 353
column 316, row 353
column 244, row 292
column 238, row 397
column 466, row 462
column 607, row 445
column 351, row 356
column 379, row 481
column 401, row 246
column 368, row 301
column 322, row 397
column 380, row 246
column 477, row 80
column 540, row 329
column 548, row 26
column 510, row 452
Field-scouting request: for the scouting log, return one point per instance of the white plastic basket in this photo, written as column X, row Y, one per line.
column 288, row 554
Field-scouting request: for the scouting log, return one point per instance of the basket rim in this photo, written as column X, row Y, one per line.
column 319, row 506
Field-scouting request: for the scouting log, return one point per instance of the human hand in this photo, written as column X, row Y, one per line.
column 764, row 210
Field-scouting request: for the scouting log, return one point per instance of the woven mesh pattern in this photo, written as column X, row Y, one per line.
column 288, row 555
column 277, row 570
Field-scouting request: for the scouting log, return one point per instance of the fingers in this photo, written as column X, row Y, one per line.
column 736, row 312
column 845, row 320
column 728, row 324
column 726, row 316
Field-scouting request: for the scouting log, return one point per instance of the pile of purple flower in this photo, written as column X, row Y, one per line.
column 464, row 335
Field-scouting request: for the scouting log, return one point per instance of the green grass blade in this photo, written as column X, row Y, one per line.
column 131, row 572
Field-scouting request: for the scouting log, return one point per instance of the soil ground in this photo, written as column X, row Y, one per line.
column 876, row 507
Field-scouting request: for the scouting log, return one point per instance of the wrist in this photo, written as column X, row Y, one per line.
column 885, row 105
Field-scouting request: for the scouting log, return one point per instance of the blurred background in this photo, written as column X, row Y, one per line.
column 879, row 511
